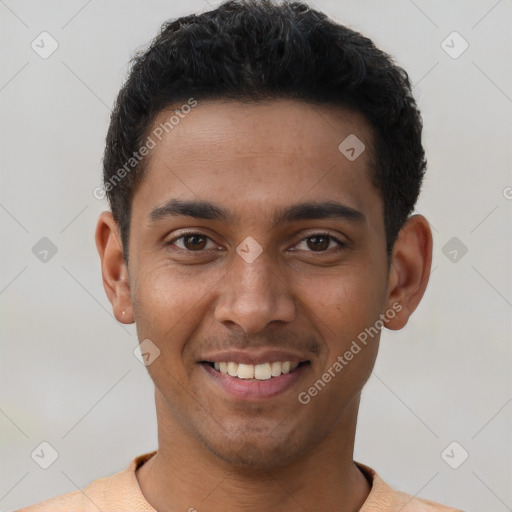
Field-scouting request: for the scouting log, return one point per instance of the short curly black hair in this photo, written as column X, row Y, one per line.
column 259, row 50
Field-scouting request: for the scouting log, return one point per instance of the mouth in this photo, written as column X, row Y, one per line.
column 259, row 381
column 255, row 372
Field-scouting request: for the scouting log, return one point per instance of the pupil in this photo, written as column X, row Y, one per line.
column 193, row 239
column 321, row 246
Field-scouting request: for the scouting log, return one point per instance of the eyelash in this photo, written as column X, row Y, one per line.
column 341, row 244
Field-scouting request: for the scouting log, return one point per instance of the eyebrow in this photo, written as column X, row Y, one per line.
column 207, row 210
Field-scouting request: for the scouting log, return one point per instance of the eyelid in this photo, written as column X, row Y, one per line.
column 341, row 243
column 185, row 234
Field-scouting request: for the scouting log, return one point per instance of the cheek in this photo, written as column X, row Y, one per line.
column 160, row 305
column 165, row 295
column 343, row 310
column 169, row 305
column 347, row 302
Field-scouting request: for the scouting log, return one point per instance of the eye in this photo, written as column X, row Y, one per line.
column 321, row 242
column 192, row 241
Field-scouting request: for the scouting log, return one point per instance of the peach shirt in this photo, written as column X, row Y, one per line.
column 121, row 493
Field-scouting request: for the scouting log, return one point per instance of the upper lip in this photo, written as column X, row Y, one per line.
column 253, row 357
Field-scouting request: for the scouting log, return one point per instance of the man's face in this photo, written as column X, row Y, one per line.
column 197, row 298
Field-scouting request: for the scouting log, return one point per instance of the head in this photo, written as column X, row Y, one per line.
column 244, row 113
column 256, row 51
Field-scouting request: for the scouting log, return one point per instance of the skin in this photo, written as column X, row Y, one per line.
column 192, row 296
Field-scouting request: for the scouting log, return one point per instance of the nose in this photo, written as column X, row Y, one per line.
column 252, row 295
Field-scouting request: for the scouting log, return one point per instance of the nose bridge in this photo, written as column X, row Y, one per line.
column 251, row 295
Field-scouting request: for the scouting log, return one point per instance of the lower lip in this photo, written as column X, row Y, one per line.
column 256, row 389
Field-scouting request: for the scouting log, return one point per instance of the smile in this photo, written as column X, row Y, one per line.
column 263, row 371
column 258, row 381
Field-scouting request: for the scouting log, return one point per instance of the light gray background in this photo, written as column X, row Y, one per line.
column 68, row 374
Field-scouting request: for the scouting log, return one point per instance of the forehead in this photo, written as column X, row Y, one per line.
column 256, row 155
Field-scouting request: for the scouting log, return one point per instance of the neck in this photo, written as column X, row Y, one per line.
column 185, row 475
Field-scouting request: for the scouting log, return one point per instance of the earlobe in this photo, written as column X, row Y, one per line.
column 409, row 272
column 113, row 268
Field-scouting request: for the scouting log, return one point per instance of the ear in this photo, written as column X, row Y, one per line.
column 409, row 271
column 113, row 268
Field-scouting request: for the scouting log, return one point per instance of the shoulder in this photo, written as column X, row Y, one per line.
column 383, row 498
column 80, row 501
column 407, row 503
column 108, row 494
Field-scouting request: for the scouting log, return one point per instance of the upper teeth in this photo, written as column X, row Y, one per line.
column 255, row 371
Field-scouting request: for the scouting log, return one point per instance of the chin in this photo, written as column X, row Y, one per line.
column 258, row 450
column 253, row 456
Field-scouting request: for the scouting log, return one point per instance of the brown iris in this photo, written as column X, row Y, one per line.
column 321, row 242
column 194, row 242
